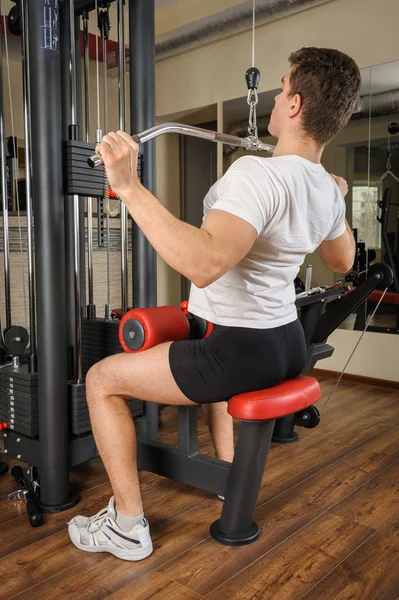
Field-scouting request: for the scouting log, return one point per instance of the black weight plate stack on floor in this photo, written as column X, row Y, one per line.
column 19, row 400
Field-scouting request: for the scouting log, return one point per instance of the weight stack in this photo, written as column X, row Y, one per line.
column 80, row 418
column 79, row 178
column 100, row 338
column 19, row 404
column 79, row 411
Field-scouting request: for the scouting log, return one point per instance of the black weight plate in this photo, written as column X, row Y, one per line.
column 76, row 175
column 17, row 385
column 22, row 399
column 21, row 372
column 80, row 145
column 80, row 422
column 19, row 391
column 11, row 378
column 76, row 388
column 80, row 414
column 28, row 431
column 79, row 403
column 19, row 409
column 93, row 323
column 27, row 408
column 80, row 191
column 23, row 421
column 78, row 431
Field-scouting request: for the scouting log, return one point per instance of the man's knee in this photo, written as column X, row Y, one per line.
column 96, row 379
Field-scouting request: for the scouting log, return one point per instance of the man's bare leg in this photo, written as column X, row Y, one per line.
column 220, row 425
column 147, row 376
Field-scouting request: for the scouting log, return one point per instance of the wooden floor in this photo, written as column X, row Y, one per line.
column 328, row 509
column 379, row 320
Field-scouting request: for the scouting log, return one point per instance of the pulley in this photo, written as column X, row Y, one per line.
column 14, row 18
column 15, row 340
column 383, row 272
column 309, row 418
column 252, row 77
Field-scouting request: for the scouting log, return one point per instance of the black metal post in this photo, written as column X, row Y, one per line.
column 68, row 203
column 4, row 198
column 188, row 430
column 122, row 126
column 79, row 113
column 235, row 526
column 142, row 116
column 45, row 88
column 28, row 179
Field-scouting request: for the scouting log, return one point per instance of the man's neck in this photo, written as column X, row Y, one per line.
column 304, row 148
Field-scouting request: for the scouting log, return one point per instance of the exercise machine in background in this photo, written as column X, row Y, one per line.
column 390, row 252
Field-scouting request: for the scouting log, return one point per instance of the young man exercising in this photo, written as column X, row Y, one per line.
column 261, row 219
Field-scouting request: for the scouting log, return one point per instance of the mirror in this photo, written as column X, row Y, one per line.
column 361, row 154
column 373, row 201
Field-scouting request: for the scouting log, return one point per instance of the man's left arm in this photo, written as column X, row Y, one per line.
column 202, row 255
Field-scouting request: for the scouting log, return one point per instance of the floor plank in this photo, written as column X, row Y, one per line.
column 369, row 573
column 155, row 586
column 297, row 564
column 208, row 565
column 325, row 502
column 376, row 502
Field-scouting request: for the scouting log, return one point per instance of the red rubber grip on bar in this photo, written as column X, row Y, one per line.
column 161, row 324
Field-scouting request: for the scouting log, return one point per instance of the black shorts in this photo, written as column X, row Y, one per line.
column 235, row 360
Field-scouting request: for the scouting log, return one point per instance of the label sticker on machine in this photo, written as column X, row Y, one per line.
column 50, row 25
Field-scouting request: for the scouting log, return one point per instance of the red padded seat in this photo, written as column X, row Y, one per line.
column 284, row 399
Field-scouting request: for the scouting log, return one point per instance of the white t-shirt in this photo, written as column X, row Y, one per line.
column 294, row 205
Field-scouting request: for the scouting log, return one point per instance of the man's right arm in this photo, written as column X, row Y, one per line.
column 339, row 254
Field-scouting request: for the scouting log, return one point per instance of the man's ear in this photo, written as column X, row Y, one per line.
column 295, row 105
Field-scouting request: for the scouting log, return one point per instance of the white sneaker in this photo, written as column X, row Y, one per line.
column 101, row 533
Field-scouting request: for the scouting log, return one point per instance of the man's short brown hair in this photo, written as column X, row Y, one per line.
column 328, row 82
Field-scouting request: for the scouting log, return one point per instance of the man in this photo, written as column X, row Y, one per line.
column 260, row 221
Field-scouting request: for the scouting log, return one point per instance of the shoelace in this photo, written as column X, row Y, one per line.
column 96, row 522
